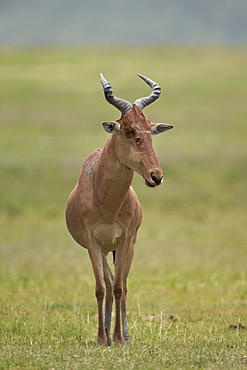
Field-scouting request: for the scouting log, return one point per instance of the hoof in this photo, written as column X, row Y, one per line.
column 127, row 341
column 118, row 341
column 108, row 336
column 102, row 341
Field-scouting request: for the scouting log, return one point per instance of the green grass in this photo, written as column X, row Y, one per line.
column 190, row 260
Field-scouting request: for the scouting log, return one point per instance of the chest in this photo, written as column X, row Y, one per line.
column 108, row 236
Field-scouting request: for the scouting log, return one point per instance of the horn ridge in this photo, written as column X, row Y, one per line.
column 156, row 91
column 123, row 105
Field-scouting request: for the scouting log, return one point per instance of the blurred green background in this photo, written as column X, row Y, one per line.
column 52, row 107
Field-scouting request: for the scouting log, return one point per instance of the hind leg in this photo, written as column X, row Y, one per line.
column 129, row 259
column 109, row 298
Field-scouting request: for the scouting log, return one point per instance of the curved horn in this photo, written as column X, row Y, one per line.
column 156, row 91
column 123, row 105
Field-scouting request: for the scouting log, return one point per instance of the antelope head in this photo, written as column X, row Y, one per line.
column 133, row 133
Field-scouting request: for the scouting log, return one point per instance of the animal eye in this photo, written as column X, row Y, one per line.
column 130, row 133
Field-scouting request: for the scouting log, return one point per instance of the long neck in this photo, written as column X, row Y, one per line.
column 111, row 181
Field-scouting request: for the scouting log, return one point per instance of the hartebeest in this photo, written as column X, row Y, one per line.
column 103, row 213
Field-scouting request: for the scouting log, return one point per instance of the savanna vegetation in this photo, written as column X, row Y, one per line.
column 188, row 282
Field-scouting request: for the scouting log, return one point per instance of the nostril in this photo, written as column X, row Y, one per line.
column 155, row 179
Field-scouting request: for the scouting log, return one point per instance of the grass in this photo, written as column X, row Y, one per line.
column 188, row 280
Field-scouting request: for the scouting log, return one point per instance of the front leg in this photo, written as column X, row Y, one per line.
column 117, row 334
column 100, row 289
column 120, row 290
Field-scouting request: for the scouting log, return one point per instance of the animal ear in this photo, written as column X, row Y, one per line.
column 158, row 128
column 111, row 127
